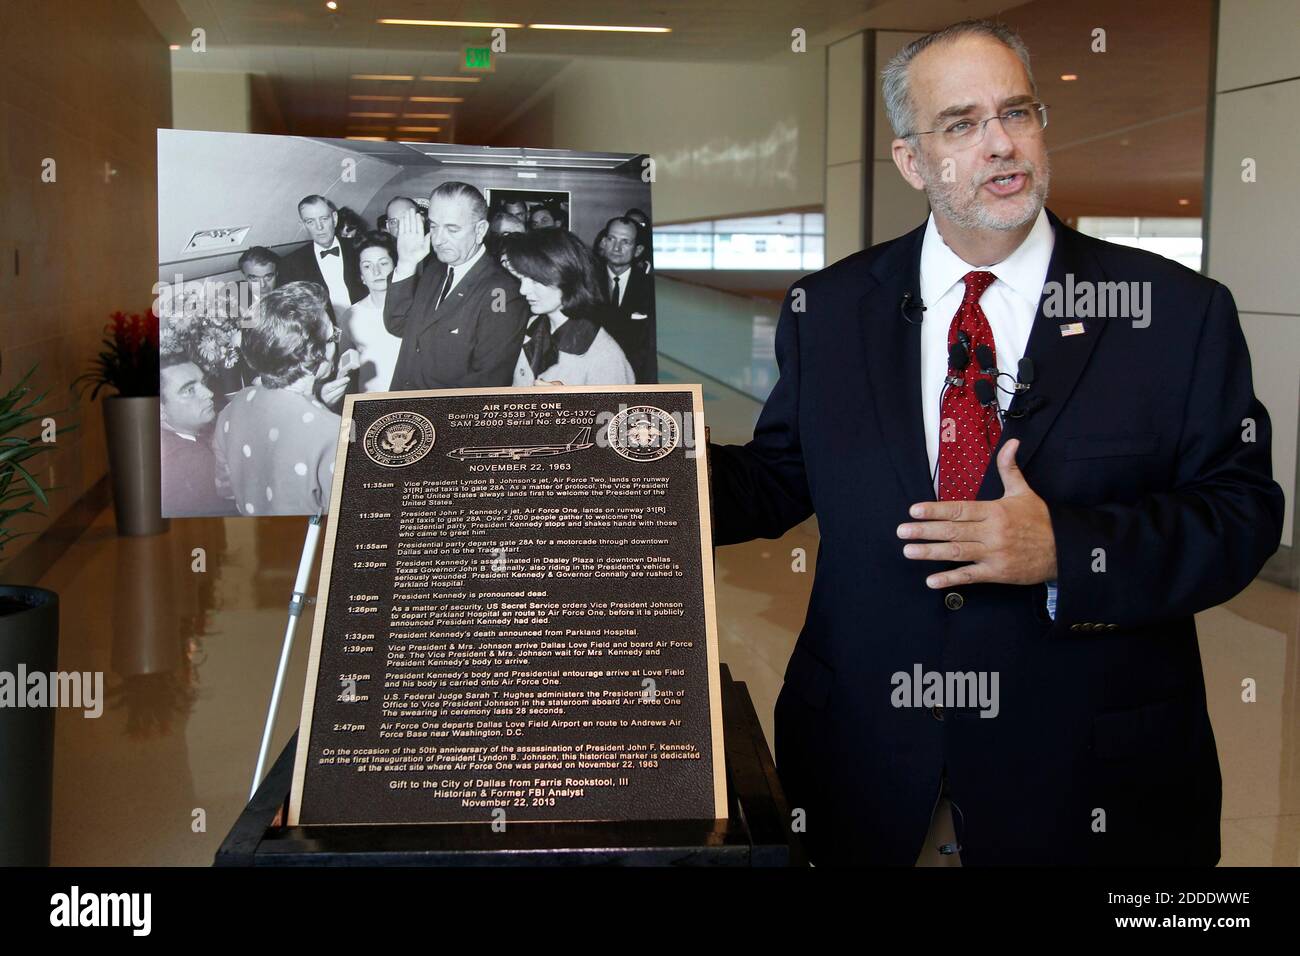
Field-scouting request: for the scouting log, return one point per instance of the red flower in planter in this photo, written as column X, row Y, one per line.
column 129, row 360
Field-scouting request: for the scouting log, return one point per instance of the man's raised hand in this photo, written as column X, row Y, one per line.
column 412, row 244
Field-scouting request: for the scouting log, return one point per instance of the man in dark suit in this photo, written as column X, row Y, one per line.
column 189, row 467
column 463, row 323
column 1021, row 650
column 329, row 260
column 631, row 292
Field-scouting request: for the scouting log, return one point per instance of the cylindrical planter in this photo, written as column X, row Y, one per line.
column 29, row 643
column 134, row 453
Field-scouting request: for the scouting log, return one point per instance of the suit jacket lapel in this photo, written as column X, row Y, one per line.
column 892, row 344
column 1058, row 359
column 351, row 269
column 314, row 259
column 464, row 286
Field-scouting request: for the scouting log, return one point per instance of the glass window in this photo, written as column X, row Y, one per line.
column 1174, row 237
column 790, row 241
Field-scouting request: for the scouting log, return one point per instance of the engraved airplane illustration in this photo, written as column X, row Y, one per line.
column 515, row 452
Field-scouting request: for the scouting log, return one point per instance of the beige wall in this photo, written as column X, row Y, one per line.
column 847, row 63
column 85, row 83
column 867, row 201
column 727, row 139
column 210, row 100
column 896, row 207
column 1252, row 225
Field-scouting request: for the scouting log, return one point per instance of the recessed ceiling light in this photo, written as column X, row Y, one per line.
column 1184, row 202
column 374, row 115
column 592, row 26
column 1069, row 77
column 395, row 77
column 174, row 46
column 377, row 99
column 450, row 79
column 426, row 116
column 446, row 23
column 437, row 99
column 370, row 139
column 419, row 129
column 331, row 5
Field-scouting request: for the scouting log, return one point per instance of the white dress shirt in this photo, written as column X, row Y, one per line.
column 1010, row 304
column 610, row 275
column 331, row 269
column 458, row 272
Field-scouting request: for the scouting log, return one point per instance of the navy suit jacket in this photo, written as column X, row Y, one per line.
column 1152, row 453
column 471, row 340
column 636, row 336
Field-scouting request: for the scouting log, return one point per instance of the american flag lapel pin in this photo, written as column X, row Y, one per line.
column 1072, row 328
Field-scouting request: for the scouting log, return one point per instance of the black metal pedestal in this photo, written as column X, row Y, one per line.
column 757, row 833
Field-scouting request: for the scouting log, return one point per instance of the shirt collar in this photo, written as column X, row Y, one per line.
column 1025, row 270
column 179, row 434
column 464, row 267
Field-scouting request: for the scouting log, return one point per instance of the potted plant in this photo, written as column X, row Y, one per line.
column 29, row 642
column 129, row 364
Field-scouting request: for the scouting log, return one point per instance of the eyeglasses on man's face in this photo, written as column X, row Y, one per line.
column 1025, row 119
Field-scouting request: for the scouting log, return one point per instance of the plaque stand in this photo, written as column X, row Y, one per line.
column 757, row 832
column 296, row 602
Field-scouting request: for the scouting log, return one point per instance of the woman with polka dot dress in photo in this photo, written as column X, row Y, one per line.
column 275, row 441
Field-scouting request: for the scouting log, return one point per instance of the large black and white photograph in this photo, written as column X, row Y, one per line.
column 293, row 271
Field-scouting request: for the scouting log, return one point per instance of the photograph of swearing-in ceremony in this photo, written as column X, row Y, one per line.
column 382, row 325
column 846, row 439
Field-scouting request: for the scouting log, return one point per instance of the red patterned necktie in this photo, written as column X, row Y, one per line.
column 968, row 431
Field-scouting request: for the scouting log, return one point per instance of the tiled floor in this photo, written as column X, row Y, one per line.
column 190, row 655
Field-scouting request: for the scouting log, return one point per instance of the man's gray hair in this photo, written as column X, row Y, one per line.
column 896, row 86
column 453, row 189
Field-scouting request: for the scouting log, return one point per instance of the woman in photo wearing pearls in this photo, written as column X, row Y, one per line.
column 274, row 443
column 565, row 342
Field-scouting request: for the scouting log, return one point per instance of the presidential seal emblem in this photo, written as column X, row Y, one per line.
column 398, row 439
column 643, row 433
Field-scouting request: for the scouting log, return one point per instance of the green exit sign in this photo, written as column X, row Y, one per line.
column 478, row 59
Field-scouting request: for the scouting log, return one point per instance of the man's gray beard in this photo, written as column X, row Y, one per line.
column 975, row 215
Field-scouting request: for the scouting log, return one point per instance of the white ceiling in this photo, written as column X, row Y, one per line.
column 1127, row 136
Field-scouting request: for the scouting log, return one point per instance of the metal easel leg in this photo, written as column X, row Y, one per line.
column 314, row 524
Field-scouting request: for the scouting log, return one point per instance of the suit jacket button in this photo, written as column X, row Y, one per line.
column 953, row 601
column 936, row 712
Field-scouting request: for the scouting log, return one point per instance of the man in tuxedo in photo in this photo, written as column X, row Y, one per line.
column 631, row 294
column 328, row 259
column 1001, row 621
column 463, row 323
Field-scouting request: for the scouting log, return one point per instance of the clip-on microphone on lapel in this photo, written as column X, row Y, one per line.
column 905, row 306
column 1022, row 403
